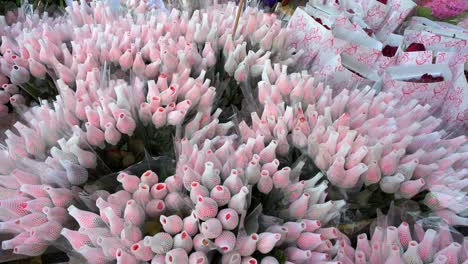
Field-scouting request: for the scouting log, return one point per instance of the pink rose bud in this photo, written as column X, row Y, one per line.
column 206, row 208
column 233, row 182
column 311, row 225
column 24, row 177
column 76, row 239
column 76, row 174
column 184, row 241
column 92, row 116
column 249, row 260
column 191, row 224
column 408, row 189
column 176, row 117
column 152, row 69
column 109, row 245
column 155, row 208
column 247, row 244
column 19, row 75
column 86, row 159
column 411, row 254
column 129, row 182
column 210, row 177
column 37, row 204
column 84, row 218
column 61, row 197
column 34, row 249
column 238, row 201
column 198, row 257
column 126, row 124
column 363, row 245
column 174, row 183
column 149, row 177
column 267, row 241
column 198, row 190
column 161, row 243
column 221, row 195
column 190, row 176
column 373, row 174
column 31, row 220
column 159, row 117
column 298, row 208
column 119, row 198
column 177, row 255
column 139, row 65
column 111, row 134
column 271, row 167
column 159, row 191
column 269, row 260
column 352, row 175
column 144, row 113
column 294, row 230
column 404, row 234
column 130, row 233
column 268, row 153
column 126, row 60
column 169, row 60
column 116, row 223
column 391, row 184
column 389, row 162
column 142, row 195
column 17, row 240
column 211, row 228
column 226, row 241
column 37, row 69
column 125, row 258
column 309, row 241
column 207, row 98
column 65, row 73
column 281, row 177
column 171, row 224
column 134, row 213
column 94, row 135
column 265, row 184
column 141, row 251
column 17, row 100
column 297, row 255
column 252, row 172
column 57, row 214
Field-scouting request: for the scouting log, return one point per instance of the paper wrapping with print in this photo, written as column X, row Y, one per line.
column 397, row 79
column 455, row 107
column 374, row 13
column 308, row 35
column 325, row 13
column 327, row 20
column 327, row 57
column 439, row 28
column 435, row 42
column 415, row 58
column 342, row 72
column 383, row 62
column 399, row 10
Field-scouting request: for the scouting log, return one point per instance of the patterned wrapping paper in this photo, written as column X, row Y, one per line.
column 397, row 80
column 348, row 53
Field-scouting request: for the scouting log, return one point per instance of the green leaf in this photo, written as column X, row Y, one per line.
column 424, row 11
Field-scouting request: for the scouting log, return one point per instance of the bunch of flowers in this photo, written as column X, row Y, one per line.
column 136, row 82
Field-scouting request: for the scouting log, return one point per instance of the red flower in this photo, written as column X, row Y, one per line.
column 389, row 51
column 415, row 47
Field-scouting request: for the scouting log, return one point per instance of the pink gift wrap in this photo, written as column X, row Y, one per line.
column 426, row 93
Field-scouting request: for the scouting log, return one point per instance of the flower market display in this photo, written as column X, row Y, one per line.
column 187, row 132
